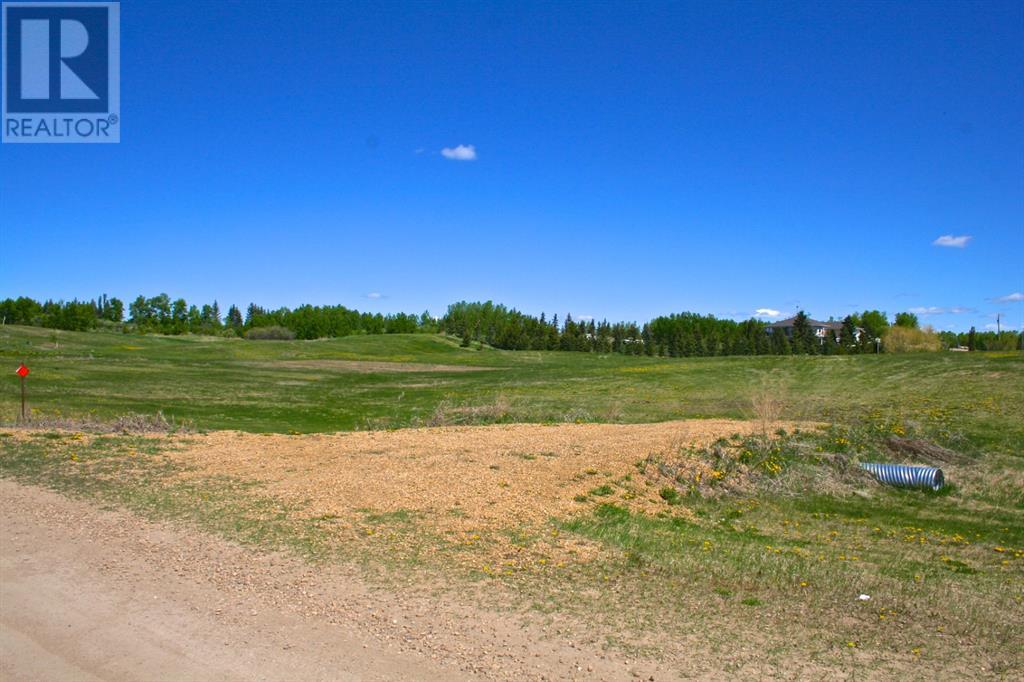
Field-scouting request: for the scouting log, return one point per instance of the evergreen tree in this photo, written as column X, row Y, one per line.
column 251, row 313
column 763, row 343
column 645, row 336
column 780, row 343
column 804, row 339
column 831, row 344
column 741, row 347
column 235, row 317
column 848, row 336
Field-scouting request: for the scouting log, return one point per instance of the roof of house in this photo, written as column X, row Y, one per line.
column 788, row 322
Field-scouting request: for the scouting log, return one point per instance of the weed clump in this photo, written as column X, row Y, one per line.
column 126, row 423
column 270, row 334
column 669, row 494
column 746, row 465
column 449, row 414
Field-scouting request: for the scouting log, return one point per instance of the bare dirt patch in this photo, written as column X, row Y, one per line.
column 87, row 594
column 459, row 479
column 368, row 367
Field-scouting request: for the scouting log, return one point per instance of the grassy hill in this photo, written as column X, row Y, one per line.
column 777, row 560
column 394, row 381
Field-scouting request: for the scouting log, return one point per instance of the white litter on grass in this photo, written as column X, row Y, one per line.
column 864, row 597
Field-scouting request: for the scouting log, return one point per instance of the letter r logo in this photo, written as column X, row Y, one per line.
column 35, row 59
column 56, row 58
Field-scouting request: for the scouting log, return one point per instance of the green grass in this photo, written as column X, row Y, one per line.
column 234, row 384
column 787, row 557
column 938, row 569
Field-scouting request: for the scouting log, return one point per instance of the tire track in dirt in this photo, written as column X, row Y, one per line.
column 92, row 594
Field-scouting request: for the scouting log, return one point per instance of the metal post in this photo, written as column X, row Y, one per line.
column 23, row 399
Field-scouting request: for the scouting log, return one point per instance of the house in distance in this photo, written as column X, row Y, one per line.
column 820, row 329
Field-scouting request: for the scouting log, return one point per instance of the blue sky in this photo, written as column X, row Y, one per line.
column 628, row 160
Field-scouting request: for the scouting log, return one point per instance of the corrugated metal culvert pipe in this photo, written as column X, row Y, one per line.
column 905, row 476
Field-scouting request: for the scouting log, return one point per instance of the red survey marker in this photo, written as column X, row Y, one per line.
column 22, row 371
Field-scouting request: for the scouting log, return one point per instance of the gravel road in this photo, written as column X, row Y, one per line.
column 91, row 594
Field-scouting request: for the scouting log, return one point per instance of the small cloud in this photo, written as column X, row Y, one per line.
column 938, row 310
column 464, row 152
column 419, row 150
column 374, row 295
column 1015, row 297
column 586, row 318
column 767, row 312
column 951, row 241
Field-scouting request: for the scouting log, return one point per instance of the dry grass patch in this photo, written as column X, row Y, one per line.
column 367, row 366
column 464, row 483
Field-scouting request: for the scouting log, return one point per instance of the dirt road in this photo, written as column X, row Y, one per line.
column 87, row 594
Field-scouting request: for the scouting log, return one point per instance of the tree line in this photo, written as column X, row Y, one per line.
column 988, row 340
column 676, row 335
column 162, row 315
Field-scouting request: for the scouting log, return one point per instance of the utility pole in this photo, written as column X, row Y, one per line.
column 998, row 328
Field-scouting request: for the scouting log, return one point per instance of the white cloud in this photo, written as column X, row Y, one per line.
column 1011, row 298
column 955, row 242
column 375, row 295
column 464, row 152
column 767, row 312
column 586, row 318
column 938, row 310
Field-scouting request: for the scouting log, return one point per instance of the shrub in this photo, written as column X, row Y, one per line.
column 669, row 494
column 907, row 340
column 270, row 334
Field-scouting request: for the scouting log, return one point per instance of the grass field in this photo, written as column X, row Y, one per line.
column 766, row 540
column 321, row 386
